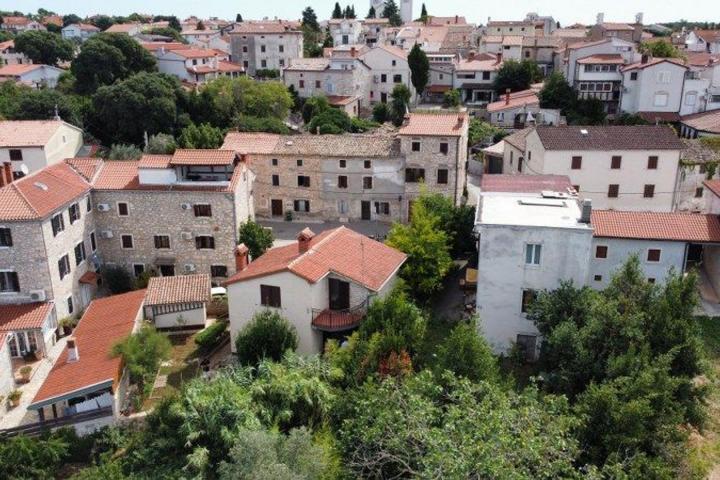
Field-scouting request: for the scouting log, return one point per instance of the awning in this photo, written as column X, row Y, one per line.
column 165, row 261
column 496, row 150
column 89, row 278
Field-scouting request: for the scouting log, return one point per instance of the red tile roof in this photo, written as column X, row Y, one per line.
column 41, row 193
column 598, row 138
column 89, row 278
column 168, row 46
column 436, row 124
column 26, row 316
column 180, row 289
column 251, row 143
column 203, row 157
column 28, row 133
column 155, row 161
column 16, row 70
column 525, row 183
column 15, row 21
column 676, row 226
column 265, row 27
column 653, row 117
column 86, row 166
column 603, row 58
column 341, row 251
column 616, row 26
column 709, row 36
column 195, row 53
column 229, row 67
column 105, row 322
column 713, row 186
column 653, row 62
column 705, row 122
column 517, row 99
column 7, row 44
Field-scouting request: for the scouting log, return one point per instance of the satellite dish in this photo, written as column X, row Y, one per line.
column 24, row 169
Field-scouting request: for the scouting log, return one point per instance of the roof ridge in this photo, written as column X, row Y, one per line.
column 24, row 199
column 314, row 247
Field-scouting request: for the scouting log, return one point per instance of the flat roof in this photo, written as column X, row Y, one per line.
column 523, row 210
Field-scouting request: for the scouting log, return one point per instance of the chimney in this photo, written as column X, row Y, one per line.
column 7, row 173
column 241, row 257
column 72, row 350
column 507, row 96
column 498, row 58
column 353, row 52
column 304, row 239
column 586, row 211
column 457, row 19
column 644, row 59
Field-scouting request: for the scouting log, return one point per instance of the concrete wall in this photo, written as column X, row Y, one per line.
column 672, row 255
column 503, row 275
column 65, row 143
column 639, row 95
column 191, row 317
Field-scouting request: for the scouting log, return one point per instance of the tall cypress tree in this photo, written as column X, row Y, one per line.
column 337, row 11
column 419, row 68
column 424, row 14
column 371, row 12
column 392, row 13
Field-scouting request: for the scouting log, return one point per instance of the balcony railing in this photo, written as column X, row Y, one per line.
column 328, row 320
column 34, row 429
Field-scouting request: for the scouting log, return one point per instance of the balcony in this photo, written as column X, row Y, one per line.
column 329, row 320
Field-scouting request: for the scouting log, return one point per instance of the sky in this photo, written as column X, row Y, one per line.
column 476, row 11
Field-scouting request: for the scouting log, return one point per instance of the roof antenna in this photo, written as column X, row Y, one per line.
column 57, row 113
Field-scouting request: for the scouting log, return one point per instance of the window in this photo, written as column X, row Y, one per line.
column 64, row 266
column 16, row 155
column 394, row 63
column 414, row 175
column 532, row 253
column 74, row 213
column 205, row 242
column 653, row 255
column 367, row 183
column 415, row 146
column 576, row 163
column 342, row 163
column 270, row 296
column 274, row 162
column 123, row 209
column 5, row 237
column 70, row 306
column 80, row 253
column 651, row 280
column 9, row 282
column 276, row 180
column 302, row 206
column 203, row 210
column 576, row 188
column 397, row 78
column 633, row 76
column 218, row 271
column 281, row 48
column 93, row 241
column 162, row 241
column 126, row 241
column 383, row 78
column 382, row 208
column 88, row 205
column 342, row 206
column 616, row 162
column 58, row 224
column 302, row 83
column 299, row 163
column 262, row 48
column 601, row 251
column 303, row 181
column 263, row 63
column 138, row 269
column 663, row 77
column 652, row 162
column 613, row 190
column 485, row 75
column 444, row 148
column 442, row 176
column 661, row 99
column 245, row 49
column 528, row 296
column 699, row 192
column 597, row 278
column 649, row 191
column 318, row 84
column 342, row 181
column 367, row 164
column 691, row 98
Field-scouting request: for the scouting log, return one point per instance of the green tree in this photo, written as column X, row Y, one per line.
column 200, row 25
column 19, row 102
column 419, row 68
column 142, row 352
column 238, row 18
column 117, row 279
column 351, row 12
column 161, row 144
column 516, row 76
column 314, row 106
column 467, row 354
column 145, row 103
column 371, row 12
column 23, row 457
column 458, row 222
column 392, row 13
column 660, row 49
column 424, row 14
column 167, row 32
column 630, row 119
column 587, row 111
column 427, row 247
column 451, row 98
column 332, row 121
column 399, row 103
column 44, row 47
column 70, row 19
column 309, row 19
column 267, row 335
column 337, row 11
column 124, row 152
column 106, row 58
column 381, row 113
column 557, row 93
column 203, row 136
column 248, row 123
column 256, row 238
column 103, row 22
column 270, row 455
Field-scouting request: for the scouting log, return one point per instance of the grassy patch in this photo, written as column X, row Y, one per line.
column 180, row 368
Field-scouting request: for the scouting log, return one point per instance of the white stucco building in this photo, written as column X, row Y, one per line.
column 323, row 284
column 35, row 76
column 653, row 86
column 388, row 68
column 178, row 302
column 79, row 31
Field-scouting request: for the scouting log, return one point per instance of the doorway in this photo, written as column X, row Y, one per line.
column 365, row 210
column 276, row 207
column 167, row 270
column 339, row 294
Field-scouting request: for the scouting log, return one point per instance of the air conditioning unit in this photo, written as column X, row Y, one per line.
column 186, row 235
column 106, row 234
column 103, row 207
column 189, row 268
column 37, row 295
column 186, row 206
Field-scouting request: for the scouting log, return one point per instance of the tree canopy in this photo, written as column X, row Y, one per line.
column 516, row 76
column 44, row 47
column 392, row 13
column 419, row 68
column 256, row 238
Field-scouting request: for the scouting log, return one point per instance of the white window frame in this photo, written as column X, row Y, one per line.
column 170, row 242
column 93, row 245
column 138, row 265
column 117, row 205
column 533, row 253
column 658, row 95
column 132, row 240
column 607, row 251
column 7, row 270
column 647, row 254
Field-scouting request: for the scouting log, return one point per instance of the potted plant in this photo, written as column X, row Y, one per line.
column 25, row 373
column 14, row 398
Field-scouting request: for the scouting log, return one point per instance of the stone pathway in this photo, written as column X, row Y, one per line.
column 20, row 415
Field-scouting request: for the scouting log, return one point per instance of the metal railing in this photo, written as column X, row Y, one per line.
column 336, row 320
column 33, row 429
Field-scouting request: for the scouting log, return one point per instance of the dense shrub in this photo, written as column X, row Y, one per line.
column 211, row 336
column 117, row 279
column 268, row 335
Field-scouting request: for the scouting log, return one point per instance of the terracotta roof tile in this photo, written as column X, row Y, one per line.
column 348, row 145
column 122, row 27
column 341, row 251
column 168, row 46
column 682, row 227
column 636, row 137
column 105, row 322
column 15, row 20
column 603, row 58
column 250, row 143
column 710, row 36
column 88, row 167
column 616, row 26
column 179, row 289
column 517, row 99
column 41, row 193
column 518, row 139
column 653, row 62
column 525, row 183
column 195, row 52
column 265, row 27
column 27, row 133
column 706, row 121
column 24, row 316
column 203, row 157
column 436, row 124
column 155, row 161
column 713, row 186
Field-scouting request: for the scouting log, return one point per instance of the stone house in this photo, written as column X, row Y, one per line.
column 388, row 67
column 475, row 77
column 522, row 28
column 345, row 31
column 9, row 56
column 203, row 197
column 265, row 45
column 653, row 86
column 323, row 284
column 17, row 24
column 197, row 65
